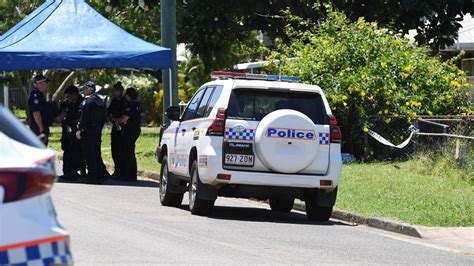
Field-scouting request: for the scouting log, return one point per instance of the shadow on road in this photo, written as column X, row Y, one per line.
column 251, row 214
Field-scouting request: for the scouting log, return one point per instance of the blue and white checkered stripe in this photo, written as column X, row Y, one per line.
column 246, row 134
column 42, row 254
column 323, row 138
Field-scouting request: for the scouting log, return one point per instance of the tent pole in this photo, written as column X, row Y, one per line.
column 5, row 95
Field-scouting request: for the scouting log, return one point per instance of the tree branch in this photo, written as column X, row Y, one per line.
column 63, row 86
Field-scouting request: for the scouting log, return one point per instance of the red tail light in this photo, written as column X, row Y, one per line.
column 223, row 177
column 22, row 184
column 218, row 125
column 325, row 183
column 335, row 131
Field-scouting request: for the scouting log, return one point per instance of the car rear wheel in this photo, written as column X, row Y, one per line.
column 197, row 205
column 281, row 205
column 314, row 212
column 168, row 198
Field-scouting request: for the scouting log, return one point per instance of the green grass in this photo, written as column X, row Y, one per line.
column 426, row 191
column 145, row 147
column 423, row 192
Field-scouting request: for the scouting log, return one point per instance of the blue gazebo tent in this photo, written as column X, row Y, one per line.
column 70, row 34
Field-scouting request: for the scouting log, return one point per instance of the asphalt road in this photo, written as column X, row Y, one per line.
column 123, row 224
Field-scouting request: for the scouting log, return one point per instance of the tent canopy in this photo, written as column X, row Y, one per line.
column 70, row 34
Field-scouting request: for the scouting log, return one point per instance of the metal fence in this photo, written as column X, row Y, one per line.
column 452, row 134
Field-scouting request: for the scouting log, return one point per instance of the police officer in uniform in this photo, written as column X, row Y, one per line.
column 73, row 161
column 130, row 123
column 115, row 111
column 40, row 115
column 91, row 122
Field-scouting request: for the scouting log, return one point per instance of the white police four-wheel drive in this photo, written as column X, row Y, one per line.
column 260, row 136
column 29, row 231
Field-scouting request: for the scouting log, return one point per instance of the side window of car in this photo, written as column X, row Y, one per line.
column 201, row 111
column 212, row 102
column 193, row 105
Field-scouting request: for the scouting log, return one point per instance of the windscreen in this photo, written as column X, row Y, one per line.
column 255, row 104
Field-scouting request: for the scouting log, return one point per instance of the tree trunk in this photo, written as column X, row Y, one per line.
column 63, row 86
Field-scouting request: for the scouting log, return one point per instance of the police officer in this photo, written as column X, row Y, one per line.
column 91, row 122
column 73, row 161
column 39, row 111
column 130, row 123
column 115, row 111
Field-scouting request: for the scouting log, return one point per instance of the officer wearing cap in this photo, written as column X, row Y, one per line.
column 91, row 122
column 73, row 161
column 115, row 110
column 130, row 122
column 40, row 115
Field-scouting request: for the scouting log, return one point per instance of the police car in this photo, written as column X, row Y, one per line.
column 29, row 231
column 252, row 136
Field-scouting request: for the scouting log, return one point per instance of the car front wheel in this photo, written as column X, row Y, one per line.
column 168, row 198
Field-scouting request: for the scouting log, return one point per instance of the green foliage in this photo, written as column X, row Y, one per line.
column 213, row 28
column 191, row 76
column 14, row 11
column 19, row 113
column 366, row 70
column 140, row 18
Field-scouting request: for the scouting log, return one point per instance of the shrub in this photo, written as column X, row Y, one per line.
column 366, row 70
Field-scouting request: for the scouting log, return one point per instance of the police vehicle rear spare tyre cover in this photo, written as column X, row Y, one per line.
column 286, row 141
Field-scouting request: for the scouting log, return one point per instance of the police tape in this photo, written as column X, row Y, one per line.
column 382, row 140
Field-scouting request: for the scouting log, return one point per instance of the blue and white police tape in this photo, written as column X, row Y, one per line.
column 382, row 140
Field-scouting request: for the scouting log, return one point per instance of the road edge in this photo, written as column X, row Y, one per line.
column 379, row 223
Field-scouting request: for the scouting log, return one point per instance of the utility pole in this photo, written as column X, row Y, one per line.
column 168, row 40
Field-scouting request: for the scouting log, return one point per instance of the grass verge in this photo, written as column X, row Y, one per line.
column 415, row 192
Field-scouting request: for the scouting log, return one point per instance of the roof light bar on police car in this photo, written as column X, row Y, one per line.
column 239, row 75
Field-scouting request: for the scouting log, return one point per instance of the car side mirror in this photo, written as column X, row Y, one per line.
column 173, row 113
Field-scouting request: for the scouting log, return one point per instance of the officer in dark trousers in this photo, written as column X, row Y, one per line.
column 40, row 115
column 91, row 122
column 115, row 111
column 73, row 162
column 130, row 123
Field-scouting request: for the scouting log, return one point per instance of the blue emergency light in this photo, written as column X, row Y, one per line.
column 250, row 76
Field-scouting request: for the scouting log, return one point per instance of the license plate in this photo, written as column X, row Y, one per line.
column 239, row 159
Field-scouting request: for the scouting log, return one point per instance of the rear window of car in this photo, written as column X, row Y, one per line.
column 250, row 104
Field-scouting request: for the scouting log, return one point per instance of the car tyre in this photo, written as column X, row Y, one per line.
column 197, row 205
column 168, row 198
column 281, row 205
column 314, row 212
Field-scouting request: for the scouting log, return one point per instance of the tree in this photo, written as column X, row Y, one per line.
column 365, row 70
column 212, row 28
column 435, row 21
column 14, row 11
